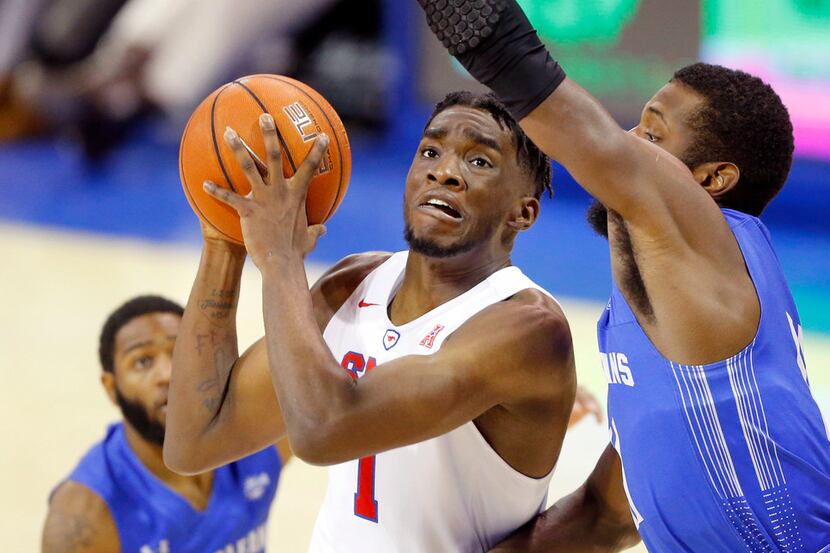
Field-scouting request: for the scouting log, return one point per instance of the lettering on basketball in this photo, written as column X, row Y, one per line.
column 615, row 368
column 308, row 129
column 301, row 119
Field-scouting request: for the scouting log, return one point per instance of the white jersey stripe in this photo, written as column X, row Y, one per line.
column 719, row 487
column 706, row 430
column 727, row 458
column 752, row 416
column 721, row 457
column 780, row 470
column 738, row 393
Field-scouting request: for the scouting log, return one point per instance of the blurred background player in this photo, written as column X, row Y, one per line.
column 92, row 69
column 700, row 339
column 121, row 497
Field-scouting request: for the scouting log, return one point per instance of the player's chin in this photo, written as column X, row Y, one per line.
column 435, row 244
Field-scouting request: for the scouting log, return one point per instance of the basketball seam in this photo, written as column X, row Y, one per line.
column 213, row 136
column 339, row 149
column 191, row 200
column 279, row 134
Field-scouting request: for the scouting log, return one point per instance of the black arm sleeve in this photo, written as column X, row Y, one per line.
column 496, row 43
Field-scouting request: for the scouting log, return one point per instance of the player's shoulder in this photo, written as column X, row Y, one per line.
column 531, row 322
column 355, row 267
column 79, row 521
column 539, row 313
column 339, row 281
column 335, row 286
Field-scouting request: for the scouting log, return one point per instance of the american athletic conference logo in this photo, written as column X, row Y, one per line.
column 390, row 339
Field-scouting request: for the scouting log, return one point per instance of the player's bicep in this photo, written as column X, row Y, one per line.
column 79, row 521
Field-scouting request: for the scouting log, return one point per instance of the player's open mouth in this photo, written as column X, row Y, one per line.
column 442, row 206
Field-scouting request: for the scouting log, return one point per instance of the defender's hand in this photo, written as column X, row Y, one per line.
column 273, row 214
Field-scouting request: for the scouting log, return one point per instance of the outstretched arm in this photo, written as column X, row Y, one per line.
column 673, row 253
column 646, row 185
column 593, row 519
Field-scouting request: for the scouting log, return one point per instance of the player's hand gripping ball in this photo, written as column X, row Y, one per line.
column 300, row 114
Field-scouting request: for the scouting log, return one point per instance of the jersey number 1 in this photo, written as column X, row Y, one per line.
column 365, row 505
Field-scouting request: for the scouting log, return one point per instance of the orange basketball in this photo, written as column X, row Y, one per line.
column 300, row 114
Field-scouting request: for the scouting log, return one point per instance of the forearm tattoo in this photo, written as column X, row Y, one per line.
column 222, row 346
column 219, row 305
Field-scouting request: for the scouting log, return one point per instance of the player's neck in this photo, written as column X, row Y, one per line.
column 429, row 282
column 151, row 457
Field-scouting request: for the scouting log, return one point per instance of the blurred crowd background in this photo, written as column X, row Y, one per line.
column 94, row 95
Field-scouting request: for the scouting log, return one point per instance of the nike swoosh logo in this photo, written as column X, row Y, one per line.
column 362, row 303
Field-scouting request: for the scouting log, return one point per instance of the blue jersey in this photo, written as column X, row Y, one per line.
column 731, row 456
column 152, row 518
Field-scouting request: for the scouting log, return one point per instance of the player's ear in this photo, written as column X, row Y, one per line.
column 108, row 382
column 717, row 177
column 524, row 213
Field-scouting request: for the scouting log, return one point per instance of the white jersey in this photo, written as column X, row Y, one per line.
column 452, row 493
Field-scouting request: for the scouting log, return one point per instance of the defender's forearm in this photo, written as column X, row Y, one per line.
column 206, row 349
column 573, row 525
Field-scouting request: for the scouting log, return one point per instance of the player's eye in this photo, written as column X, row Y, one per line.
column 429, row 152
column 144, row 362
column 651, row 137
column 480, row 162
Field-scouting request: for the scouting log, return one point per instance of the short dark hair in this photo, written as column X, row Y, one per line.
column 530, row 158
column 136, row 307
column 743, row 121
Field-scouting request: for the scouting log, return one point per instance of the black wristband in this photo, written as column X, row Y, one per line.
column 496, row 43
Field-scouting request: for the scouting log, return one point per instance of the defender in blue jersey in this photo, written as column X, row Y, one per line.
column 121, row 497
column 717, row 443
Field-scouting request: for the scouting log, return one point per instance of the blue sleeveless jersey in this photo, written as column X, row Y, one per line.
column 731, row 456
column 152, row 518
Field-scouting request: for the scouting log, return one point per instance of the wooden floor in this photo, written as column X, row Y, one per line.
column 58, row 288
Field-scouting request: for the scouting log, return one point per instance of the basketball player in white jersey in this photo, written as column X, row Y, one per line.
column 437, row 382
